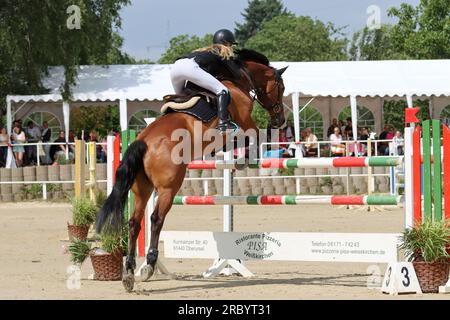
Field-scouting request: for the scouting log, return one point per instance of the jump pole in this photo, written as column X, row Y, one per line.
column 343, row 162
column 287, row 200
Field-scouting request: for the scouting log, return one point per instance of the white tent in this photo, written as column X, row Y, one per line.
column 124, row 83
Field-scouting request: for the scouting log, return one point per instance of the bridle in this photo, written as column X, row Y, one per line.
column 275, row 107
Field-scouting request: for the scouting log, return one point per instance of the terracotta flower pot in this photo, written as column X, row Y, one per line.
column 107, row 266
column 79, row 232
column 431, row 275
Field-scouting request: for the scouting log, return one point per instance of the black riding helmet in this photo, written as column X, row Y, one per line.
column 224, row 36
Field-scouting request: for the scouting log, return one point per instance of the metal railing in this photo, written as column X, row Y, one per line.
column 327, row 144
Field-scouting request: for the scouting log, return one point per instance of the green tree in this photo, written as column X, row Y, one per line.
column 256, row 13
column 394, row 112
column 182, row 45
column 291, row 38
column 34, row 35
column 374, row 44
column 102, row 118
column 260, row 116
column 422, row 32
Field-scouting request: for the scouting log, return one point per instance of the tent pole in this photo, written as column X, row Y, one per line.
column 66, row 115
column 8, row 117
column 353, row 105
column 123, row 114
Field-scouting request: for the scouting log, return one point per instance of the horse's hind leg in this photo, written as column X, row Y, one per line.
column 163, row 205
column 142, row 189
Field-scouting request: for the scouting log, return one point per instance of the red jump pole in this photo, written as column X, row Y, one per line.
column 417, row 157
column 116, row 156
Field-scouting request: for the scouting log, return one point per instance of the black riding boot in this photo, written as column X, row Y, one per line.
column 225, row 124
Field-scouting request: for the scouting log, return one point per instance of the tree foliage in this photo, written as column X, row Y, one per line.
column 256, row 13
column 423, row 32
column 291, row 38
column 182, row 45
column 34, row 35
column 374, row 44
column 103, row 119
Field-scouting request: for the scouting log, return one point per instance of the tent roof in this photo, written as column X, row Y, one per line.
column 341, row 78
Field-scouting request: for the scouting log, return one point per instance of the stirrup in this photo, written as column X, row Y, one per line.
column 228, row 127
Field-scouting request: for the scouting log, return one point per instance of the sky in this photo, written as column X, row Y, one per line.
column 148, row 25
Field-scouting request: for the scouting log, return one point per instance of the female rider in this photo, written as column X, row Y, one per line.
column 203, row 66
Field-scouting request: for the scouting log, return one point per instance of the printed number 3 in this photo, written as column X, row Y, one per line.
column 405, row 273
column 388, row 278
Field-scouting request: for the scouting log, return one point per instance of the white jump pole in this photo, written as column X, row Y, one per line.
column 408, row 178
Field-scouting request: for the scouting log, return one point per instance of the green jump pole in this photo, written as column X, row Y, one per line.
column 131, row 137
column 437, row 170
column 427, row 170
column 125, row 135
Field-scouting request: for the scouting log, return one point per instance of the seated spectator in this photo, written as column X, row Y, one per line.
column 349, row 126
column 337, row 147
column 333, row 125
column 356, row 146
column 390, row 135
column 72, row 138
column 18, row 137
column 383, row 145
column 283, row 138
column 59, row 149
column 3, row 147
column 289, row 131
column 399, row 142
column 310, row 143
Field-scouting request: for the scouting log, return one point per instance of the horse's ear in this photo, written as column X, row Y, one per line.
column 281, row 71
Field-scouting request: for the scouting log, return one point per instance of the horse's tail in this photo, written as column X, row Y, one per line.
column 111, row 214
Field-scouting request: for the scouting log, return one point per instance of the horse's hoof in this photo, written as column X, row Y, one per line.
column 147, row 272
column 128, row 281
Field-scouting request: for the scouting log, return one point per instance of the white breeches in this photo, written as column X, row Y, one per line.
column 188, row 70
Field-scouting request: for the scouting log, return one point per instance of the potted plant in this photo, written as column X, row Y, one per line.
column 84, row 212
column 107, row 260
column 426, row 246
column 106, row 256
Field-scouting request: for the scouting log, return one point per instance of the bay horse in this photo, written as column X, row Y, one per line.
column 147, row 164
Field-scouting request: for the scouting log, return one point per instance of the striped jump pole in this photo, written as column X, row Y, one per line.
column 288, row 200
column 342, row 162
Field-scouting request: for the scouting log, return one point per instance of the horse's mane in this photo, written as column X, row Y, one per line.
column 244, row 55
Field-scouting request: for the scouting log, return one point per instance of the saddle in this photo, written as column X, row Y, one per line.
column 195, row 101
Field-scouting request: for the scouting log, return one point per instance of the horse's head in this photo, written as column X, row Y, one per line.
column 267, row 84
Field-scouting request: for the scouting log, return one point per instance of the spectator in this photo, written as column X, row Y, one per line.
column 349, row 126
column 337, row 147
column 389, row 136
column 3, row 147
column 382, row 146
column 18, row 137
column 72, row 138
column 45, row 138
column 310, row 143
column 399, row 142
column 364, row 137
column 99, row 151
column 58, row 149
column 330, row 130
column 289, row 131
column 34, row 135
column 283, row 138
column 341, row 127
